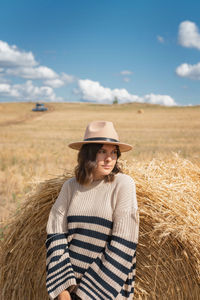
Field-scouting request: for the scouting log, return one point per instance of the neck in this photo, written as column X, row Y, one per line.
column 95, row 178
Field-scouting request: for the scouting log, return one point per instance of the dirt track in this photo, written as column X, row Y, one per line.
column 28, row 116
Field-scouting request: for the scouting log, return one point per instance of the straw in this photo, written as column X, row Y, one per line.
column 168, row 254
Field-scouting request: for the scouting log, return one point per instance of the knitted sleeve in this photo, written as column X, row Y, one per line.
column 110, row 271
column 60, row 274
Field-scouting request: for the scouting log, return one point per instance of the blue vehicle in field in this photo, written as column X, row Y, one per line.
column 39, row 107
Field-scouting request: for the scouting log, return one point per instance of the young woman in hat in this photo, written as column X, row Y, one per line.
column 93, row 225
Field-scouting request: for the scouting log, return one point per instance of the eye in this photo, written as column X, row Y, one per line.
column 114, row 151
column 101, row 151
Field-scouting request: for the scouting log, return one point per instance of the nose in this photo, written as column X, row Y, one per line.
column 108, row 157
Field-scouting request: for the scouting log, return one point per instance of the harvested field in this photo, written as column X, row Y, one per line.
column 33, row 149
column 168, row 255
column 33, row 146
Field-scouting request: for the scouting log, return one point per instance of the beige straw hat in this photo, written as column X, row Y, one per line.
column 101, row 132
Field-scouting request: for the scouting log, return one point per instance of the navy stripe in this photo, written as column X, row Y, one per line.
column 133, row 267
column 102, row 282
column 57, row 273
column 53, row 259
column 58, row 266
column 127, row 293
column 124, row 242
column 78, row 269
column 94, row 284
column 57, row 257
column 55, row 248
column 87, row 293
column 49, row 235
column 116, row 264
column 81, row 257
column 91, row 220
column 90, row 288
column 91, row 233
column 78, row 280
column 120, row 253
column 53, row 289
column 61, row 277
column 109, row 273
column 129, row 281
column 87, row 246
column 55, row 237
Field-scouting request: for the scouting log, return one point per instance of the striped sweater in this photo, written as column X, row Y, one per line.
column 92, row 234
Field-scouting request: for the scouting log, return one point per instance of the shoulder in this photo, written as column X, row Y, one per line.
column 124, row 182
column 70, row 180
column 67, row 187
column 69, row 183
column 125, row 192
column 124, row 179
column 64, row 196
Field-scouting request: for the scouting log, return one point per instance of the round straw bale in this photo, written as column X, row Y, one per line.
column 140, row 111
column 168, row 254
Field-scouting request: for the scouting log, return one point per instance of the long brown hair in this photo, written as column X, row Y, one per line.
column 87, row 163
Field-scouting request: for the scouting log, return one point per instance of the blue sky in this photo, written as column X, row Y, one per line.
column 144, row 50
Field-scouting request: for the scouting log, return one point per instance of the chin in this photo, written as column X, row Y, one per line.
column 103, row 172
column 107, row 172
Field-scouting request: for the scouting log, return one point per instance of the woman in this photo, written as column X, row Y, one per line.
column 93, row 225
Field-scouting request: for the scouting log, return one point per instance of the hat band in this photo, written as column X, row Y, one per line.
column 102, row 139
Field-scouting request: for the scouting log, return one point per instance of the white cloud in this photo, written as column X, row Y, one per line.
column 160, row 39
column 7, row 91
column 28, row 92
column 50, row 77
column 11, row 56
column 22, row 64
column 93, row 91
column 14, row 62
column 63, row 79
column 159, row 99
column 189, row 71
column 4, row 88
column 3, row 80
column 125, row 75
column 188, row 35
column 126, row 72
column 54, row 83
column 67, row 78
column 40, row 72
column 126, row 79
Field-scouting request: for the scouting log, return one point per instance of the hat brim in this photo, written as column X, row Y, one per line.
column 122, row 146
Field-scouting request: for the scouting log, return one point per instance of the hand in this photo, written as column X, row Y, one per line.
column 65, row 295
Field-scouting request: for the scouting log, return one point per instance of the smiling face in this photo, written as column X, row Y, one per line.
column 106, row 159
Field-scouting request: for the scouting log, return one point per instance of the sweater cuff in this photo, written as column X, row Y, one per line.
column 82, row 295
column 62, row 287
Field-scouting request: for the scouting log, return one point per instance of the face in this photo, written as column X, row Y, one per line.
column 105, row 159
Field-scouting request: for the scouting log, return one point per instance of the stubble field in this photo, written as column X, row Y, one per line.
column 33, row 146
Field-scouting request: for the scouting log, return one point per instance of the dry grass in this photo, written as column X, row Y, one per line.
column 169, row 247
column 33, row 146
column 168, row 259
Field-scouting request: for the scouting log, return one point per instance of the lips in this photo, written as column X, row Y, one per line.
column 106, row 167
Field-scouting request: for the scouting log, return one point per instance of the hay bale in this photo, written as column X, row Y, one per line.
column 169, row 245
column 140, row 111
column 168, row 256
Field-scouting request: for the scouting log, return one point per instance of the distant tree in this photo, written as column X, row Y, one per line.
column 115, row 101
